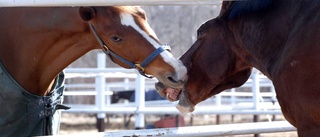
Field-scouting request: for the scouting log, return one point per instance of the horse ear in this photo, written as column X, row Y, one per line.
column 87, row 13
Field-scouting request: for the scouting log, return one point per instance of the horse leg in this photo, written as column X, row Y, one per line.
column 128, row 122
column 108, row 119
column 124, row 120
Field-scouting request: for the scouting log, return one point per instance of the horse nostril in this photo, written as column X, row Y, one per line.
column 175, row 80
column 172, row 79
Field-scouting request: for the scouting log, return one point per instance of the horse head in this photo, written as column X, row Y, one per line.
column 219, row 59
column 215, row 62
column 127, row 38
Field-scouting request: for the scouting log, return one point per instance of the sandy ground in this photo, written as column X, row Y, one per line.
column 85, row 123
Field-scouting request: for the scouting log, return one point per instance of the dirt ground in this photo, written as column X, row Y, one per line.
column 86, row 123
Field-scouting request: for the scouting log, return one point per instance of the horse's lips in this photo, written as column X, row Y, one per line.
column 174, row 94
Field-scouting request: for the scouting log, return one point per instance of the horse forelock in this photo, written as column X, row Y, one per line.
column 239, row 8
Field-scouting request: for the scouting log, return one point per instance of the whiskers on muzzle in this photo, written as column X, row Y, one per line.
column 184, row 105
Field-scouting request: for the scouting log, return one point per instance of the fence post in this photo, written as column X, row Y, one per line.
column 139, row 101
column 126, row 81
column 100, row 88
column 256, row 89
column 233, row 103
column 218, row 103
column 256, row 94
column 274, row 99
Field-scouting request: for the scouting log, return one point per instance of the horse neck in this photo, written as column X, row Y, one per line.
column 38, row 48
column 262, row 39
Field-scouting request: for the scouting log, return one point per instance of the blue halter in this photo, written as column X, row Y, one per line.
column 140, row 67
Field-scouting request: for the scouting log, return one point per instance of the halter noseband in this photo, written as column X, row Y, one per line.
column 140, row 67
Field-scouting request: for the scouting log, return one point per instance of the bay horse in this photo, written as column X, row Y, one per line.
column 36, row 44
column 280, row 38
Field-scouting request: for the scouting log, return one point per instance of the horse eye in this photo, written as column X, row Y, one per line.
column 199, row 33
column 115, row 38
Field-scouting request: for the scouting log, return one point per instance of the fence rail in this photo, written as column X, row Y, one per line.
column 203, row 131
column 51, row 3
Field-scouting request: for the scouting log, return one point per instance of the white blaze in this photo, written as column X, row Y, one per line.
column 128, row 20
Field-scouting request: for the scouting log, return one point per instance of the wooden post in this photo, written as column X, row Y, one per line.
column 218, row 119
column 177, row 121
column 100, row 124
column 256, row 119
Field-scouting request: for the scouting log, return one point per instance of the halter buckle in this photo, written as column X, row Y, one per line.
column 105, row 48
column 138, row 67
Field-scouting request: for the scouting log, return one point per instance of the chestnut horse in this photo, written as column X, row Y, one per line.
column 36, row 44
column 281, row 38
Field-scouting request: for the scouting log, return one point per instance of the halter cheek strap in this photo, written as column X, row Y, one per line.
column 140, row 67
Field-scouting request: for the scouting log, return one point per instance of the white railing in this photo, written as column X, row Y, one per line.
column 200, row 131
column 51, row 3
column 228, row 102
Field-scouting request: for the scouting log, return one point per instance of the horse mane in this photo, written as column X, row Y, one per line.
column 240, row 8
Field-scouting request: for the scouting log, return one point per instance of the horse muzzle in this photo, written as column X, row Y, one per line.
column 175, row 94
column 184, row 105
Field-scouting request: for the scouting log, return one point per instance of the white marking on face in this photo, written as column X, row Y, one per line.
column 176, row 64
column 128, row 20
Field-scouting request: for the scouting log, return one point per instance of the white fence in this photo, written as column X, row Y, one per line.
column 249, row 102
column 203, row 131
column 47, row 3
column 227, row 102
